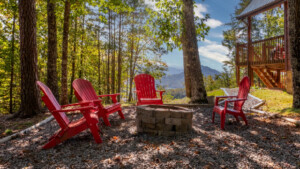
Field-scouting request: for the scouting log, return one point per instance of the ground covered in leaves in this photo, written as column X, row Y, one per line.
column 266, row 142
column 11, row 126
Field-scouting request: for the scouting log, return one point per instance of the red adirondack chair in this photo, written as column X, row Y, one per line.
column 84, row 91
column 69, row 129
column 238, row 100
column 145, row 90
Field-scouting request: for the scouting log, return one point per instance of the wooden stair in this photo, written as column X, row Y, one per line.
column 267, row 78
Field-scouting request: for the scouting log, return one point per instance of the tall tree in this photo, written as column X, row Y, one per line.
column 30, row 102
column 294, row 37
column 120, row 57
column 113, row 60
column 73, row 59
column 175, row 25
column 82, row 48
column 12, row 59
column 52, row 49
column 108, row 54
column 64, row 62
column 192, row 66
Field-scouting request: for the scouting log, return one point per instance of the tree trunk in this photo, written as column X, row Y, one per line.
column 131, row 61
column 52, row 49
column 113, row 60
column 12, row 61
column 119, row 58
column 30, row 102
column 294, row 37
column 99, row 59
column 64, row 62
column 73, row 61
column 108, row 54
column 190, row 49
column 81, row 52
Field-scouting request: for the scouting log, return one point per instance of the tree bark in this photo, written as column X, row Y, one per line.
column 82, row 47
column 64, row 62
column 190, row 49
column 52, row 49
column 99, row 59
column 30, row 102
column 294, row 50
column 108, row 54
column 113, row 60
column 12, row 61
column 73, row 61
column 119, row 58
column 131, row 61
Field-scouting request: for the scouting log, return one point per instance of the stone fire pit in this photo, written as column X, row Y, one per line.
column 163, row 119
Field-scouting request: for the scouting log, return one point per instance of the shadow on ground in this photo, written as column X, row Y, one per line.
column 266, row 142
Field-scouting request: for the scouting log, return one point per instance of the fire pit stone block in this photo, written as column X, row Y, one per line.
column 163, row 120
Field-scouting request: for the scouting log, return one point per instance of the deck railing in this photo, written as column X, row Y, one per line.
column 265, row 51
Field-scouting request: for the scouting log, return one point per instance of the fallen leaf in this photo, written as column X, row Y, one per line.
column 115, row 138
column 117, row 159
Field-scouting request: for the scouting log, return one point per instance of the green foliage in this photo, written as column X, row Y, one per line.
column 92, row 17
column 165, row 23
column 176, row 93
column 224, row 80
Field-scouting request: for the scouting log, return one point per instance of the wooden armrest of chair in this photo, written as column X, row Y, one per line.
column 82, row 103
column 232, row 100
column 76, row 109
column 112, row 96
column 160, row 92
column 222, row 97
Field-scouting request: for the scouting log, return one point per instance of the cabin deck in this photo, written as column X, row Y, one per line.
column 267, row 58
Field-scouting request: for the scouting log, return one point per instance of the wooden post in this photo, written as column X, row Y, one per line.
column 249, row 59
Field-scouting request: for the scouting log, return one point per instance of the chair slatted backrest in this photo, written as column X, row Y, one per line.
column 145, row 84
column 52, row 104
column 244, row 88
column 84, row 90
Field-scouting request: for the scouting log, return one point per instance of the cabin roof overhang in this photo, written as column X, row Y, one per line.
column 258, row 6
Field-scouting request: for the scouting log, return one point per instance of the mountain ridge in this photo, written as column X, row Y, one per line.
column 174, row 80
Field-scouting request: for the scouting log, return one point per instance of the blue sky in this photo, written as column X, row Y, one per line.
column 211, row 51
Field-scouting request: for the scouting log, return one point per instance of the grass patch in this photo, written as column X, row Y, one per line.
column 277, row 101
column 218, row 92
column 184, row 100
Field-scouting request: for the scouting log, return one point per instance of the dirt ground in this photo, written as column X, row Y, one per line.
column 265, row 143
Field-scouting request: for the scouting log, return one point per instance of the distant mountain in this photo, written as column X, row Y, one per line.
column 174, row 70
column 175, row 80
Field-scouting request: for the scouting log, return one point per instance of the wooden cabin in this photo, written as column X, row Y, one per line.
column 268, row 58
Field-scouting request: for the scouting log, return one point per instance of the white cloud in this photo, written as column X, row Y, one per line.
column 199, row 9
column 213, row 23
column 213, row 50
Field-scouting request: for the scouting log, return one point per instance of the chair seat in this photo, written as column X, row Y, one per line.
column 151, row 101
column 219, row 109
column 112, row 106
column 94, row 119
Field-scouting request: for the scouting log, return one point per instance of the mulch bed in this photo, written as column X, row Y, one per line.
column 265, row 143
column 17, row 124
